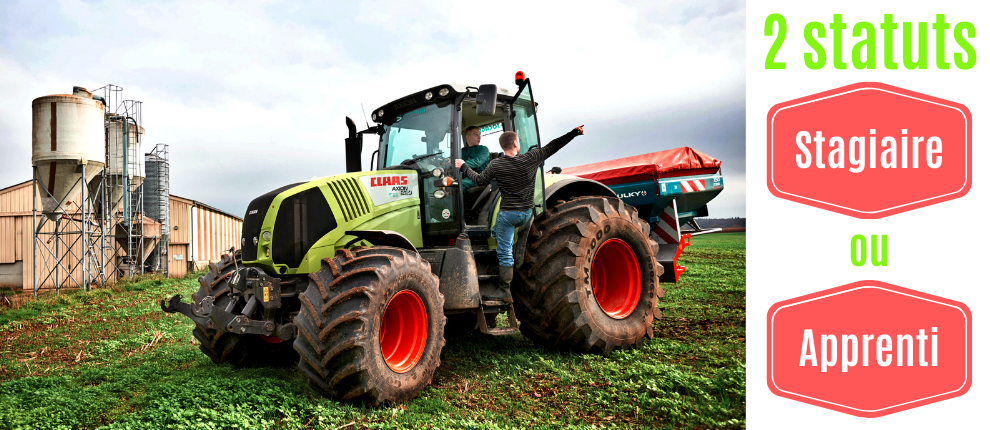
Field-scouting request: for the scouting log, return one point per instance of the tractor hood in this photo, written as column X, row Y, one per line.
column 288, row 230
column 254, row 217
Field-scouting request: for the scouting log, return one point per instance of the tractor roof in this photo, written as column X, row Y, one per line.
column 386, row 113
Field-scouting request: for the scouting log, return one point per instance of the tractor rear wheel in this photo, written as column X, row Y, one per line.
column 371, row 326
column 245, row 350
column 589, row 278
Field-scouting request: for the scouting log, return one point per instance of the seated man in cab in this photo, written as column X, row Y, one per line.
column 474, row 154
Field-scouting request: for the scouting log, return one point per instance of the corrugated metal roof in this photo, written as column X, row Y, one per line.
column 15, row 186
column 208, row 207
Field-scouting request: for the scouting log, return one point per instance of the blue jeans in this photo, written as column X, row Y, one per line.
column 505, row 225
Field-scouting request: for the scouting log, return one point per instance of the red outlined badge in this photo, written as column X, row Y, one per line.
column 869, row 349
column 869, row 150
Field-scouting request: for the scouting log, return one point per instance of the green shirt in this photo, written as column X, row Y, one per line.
column 475, row 157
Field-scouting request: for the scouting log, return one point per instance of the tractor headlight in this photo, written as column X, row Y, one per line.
column 444, row 92
column 256, row 241
column 268, row 253
column 381, row 113
column 438, row 172
column 266, row 236
column 428, row 95
column 439, row 194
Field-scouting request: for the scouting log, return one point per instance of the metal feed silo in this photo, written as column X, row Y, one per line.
column 125, row 160
column 67, row 134
column 156, row 203
column 68, row 158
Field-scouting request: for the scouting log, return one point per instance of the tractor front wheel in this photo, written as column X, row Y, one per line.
column 589, row 279
column 371, row 326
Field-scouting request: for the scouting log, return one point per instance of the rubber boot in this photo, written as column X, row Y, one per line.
column 502, row 294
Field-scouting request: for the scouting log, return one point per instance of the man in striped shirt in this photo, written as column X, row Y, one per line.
column 516, row 176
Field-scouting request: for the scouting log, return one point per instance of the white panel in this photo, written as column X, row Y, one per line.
column 389, row 188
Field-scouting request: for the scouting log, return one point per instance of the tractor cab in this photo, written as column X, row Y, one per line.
column 424, row 131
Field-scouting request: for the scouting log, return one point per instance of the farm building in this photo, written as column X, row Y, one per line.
column 198, row 234
column 201, row 234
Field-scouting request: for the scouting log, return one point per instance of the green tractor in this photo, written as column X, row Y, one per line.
column 359, row 275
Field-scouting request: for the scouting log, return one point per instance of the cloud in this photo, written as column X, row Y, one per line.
column 252, row 95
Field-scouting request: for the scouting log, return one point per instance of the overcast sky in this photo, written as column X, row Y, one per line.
column 252, row 95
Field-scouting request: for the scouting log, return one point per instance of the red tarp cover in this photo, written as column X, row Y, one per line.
column 672, row 162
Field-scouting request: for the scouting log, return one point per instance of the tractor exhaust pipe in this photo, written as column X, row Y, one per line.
column 352, row 147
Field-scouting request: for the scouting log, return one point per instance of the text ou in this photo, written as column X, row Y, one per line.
column 858, row 250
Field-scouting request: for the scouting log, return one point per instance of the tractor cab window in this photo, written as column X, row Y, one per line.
column 422, row 136
column 524, row 118
column 489, row 137
column 421, row 140
column 491, row 126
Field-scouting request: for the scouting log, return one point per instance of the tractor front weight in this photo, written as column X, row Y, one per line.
column 255, row 293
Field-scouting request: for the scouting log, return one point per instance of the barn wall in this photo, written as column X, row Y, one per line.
column 17, row 241
column 214, row 233
column 11, row 274
column 16, row 199
column 198, row 233
column 8, row 238
column 181, row 231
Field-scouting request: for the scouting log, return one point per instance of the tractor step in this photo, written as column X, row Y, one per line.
column 477, row 230
column 502, row 331
column 489, row 310
column 494, row 304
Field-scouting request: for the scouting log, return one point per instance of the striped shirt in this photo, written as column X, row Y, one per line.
column 516, row 176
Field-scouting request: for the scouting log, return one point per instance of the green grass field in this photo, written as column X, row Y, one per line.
column 110, row 358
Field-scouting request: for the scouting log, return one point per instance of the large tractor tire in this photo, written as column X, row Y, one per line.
column 371, row 326
column 589, row 278
column 247, row 350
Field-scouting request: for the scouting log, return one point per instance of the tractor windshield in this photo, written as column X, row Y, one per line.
column 422, row 132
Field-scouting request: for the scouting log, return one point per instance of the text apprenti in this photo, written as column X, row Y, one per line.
column 853, row 347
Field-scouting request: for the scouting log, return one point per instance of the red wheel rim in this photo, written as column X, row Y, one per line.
column 403, row 331
column 616, row 292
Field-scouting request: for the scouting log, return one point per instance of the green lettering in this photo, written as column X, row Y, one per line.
column 869, row 43
column 837, row 26
column 888, row 28
column 940, row 26
column 819, row 29
column 858, row 243
column 964, row 44
column 768, row 31
column 922, row 62
column 883, row 250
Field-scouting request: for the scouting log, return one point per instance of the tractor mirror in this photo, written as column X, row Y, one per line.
column 487, row 97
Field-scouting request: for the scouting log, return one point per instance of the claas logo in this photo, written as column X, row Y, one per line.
column 384, row 181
